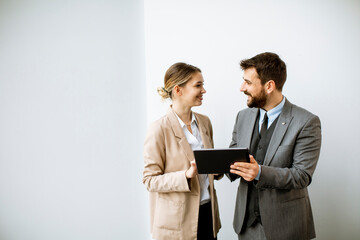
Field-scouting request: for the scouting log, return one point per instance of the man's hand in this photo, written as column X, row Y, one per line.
column 247, row 171
column 192, row 171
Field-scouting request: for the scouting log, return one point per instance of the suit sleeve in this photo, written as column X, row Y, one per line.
column 154, row 176
column 305, row 156
column 234, row 144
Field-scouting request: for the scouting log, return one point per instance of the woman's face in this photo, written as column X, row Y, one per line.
column 192, row 92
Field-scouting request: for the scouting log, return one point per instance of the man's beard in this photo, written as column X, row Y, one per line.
column 258, row 101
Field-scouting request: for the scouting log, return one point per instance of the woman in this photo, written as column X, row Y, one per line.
column 183, row 204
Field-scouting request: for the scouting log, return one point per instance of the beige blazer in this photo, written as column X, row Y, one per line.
column 175, row 201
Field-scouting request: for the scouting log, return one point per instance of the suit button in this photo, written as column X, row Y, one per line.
column 260, row 147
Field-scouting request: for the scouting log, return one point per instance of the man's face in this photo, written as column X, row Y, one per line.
column 253, row 88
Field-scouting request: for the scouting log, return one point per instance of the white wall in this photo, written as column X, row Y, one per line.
column 72, row 120
column 319, row 41
column 73, row 112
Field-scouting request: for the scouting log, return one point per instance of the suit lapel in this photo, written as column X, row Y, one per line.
column 248, row 128
column 279, row 131
column 179, row 134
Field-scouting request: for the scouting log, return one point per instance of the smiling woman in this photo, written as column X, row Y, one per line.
column 177, row 75
column 183, row 203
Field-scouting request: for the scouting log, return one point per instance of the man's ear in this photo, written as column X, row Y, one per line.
column 270, row 86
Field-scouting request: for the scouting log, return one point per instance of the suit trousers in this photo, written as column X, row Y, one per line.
column 205, row 227
column 256, row 231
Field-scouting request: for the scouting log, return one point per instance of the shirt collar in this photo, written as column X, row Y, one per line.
column 182, row 124
column 274, row 112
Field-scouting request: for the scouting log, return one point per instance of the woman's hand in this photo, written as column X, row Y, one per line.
column 192, row 171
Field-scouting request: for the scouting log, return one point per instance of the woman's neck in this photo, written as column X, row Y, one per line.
column 183, row 112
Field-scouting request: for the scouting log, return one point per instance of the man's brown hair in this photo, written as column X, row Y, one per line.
column 268, row 66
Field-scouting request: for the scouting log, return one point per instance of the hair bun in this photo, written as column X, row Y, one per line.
column 163, row 93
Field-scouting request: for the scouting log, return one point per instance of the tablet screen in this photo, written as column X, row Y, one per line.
column 219, row 160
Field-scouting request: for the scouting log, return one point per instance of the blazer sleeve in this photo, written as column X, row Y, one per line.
column 306, row 151
column 154, row 176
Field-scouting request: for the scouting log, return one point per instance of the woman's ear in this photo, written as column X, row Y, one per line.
column 177, row 90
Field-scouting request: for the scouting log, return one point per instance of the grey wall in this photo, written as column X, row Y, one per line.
column 319, row 41
column 72, row 120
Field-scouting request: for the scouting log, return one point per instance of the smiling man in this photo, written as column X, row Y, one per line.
column 284, row 142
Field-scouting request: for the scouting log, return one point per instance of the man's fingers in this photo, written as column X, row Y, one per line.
column 245, row 170
column 240, row 165
column 244, row 175
column 239, row 170
column 236, row 172
column 248, row 171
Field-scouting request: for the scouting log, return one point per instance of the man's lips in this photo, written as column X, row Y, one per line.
column 247, row 94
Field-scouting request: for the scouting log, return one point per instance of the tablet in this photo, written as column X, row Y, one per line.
column 219, row 160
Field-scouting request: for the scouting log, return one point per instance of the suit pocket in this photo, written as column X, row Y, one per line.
column 284, row 148
column 283, row 157
column 168, row 214
column 293, row 195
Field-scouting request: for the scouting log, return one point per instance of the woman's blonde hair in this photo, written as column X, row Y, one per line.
column 178, row 74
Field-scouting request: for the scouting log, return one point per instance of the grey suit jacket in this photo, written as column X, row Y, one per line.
column 288, row 167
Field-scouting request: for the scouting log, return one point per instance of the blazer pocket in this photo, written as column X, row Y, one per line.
column 168, row 214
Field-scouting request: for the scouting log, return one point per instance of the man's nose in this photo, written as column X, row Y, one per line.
column 242, row 87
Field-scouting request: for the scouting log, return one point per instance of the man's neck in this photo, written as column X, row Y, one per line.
column 273, row 101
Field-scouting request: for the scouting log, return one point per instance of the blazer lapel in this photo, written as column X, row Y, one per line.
column 179, row 134
column 203, row 133
column 279, row 131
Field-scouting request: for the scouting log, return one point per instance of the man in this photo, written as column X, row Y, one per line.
column 284, row 143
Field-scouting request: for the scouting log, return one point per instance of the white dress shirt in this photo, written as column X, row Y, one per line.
column 195, row 142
